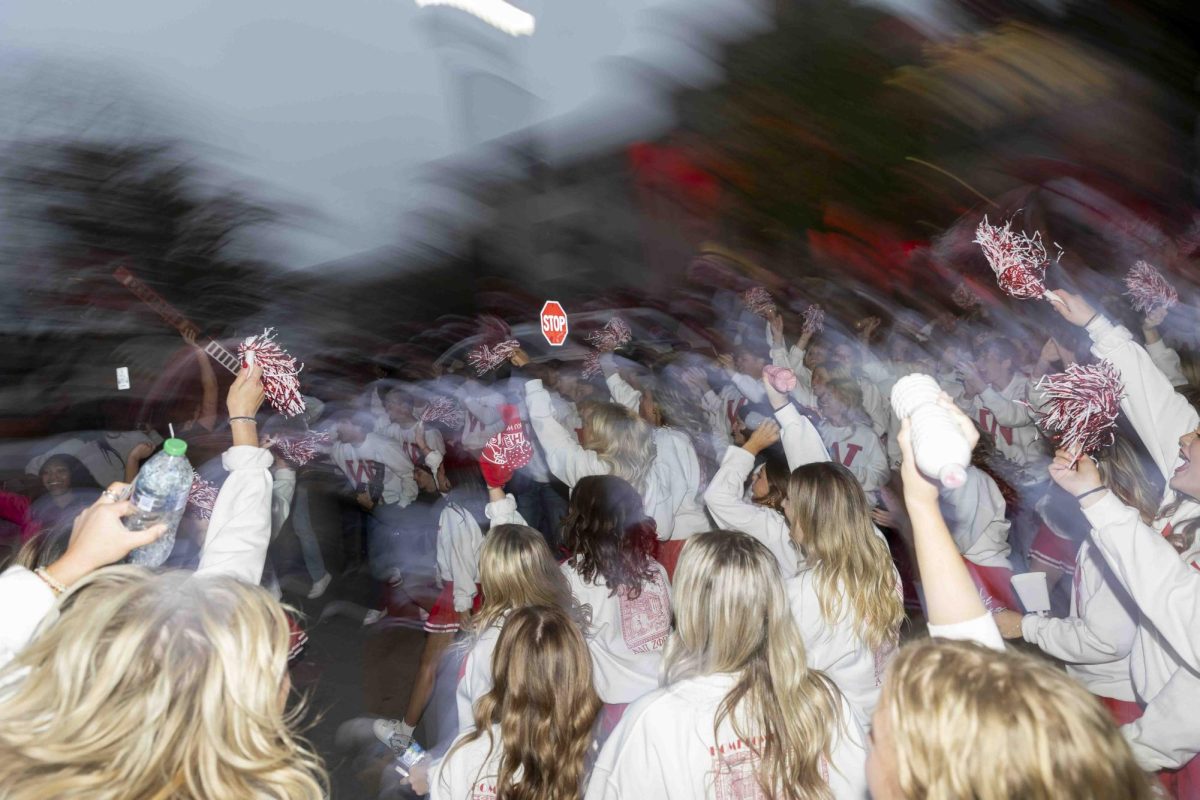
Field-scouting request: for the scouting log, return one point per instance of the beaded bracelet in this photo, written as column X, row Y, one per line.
column 50, row 580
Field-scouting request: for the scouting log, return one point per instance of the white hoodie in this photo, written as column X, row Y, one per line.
column 974, row 513
column 459, row 540
column 1012, row 424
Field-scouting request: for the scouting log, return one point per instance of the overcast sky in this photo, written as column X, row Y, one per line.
column 335, row 104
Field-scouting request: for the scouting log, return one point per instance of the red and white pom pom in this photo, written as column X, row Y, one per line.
column 964, row 297
column 302, row 449
column 445, row 410
column 782, row 379
column 591, row 365
column 485, row 358
column 1148, row 289
column 281, row 383
column 1019, row 261
column 202, row 496
column 814, row 320
column 758, row 302
column 614, row 334
column 1081, row 406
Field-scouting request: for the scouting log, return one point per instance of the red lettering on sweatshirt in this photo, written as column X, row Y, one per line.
column 852, row 450
column 732, row 407
column 988, row 421
column 361, row 471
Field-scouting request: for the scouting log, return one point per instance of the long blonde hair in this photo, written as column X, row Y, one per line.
column 732, row 616
column 516, row 570
column 545, row 704
column 623, row 440
column 155, row 686
column 968, row 721
column 831, row 523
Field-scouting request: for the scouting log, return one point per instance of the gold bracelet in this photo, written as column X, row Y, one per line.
column 49, row 580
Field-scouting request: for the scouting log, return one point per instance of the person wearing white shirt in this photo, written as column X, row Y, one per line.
column 851, row 443
column 740, row 713
column 945, row 723
column 533, row 727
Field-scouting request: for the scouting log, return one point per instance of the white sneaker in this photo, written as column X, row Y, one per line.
column 373, row 616
column 320, row 586
column 393, row 733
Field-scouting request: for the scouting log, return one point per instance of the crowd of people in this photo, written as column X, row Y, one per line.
column 660, row 575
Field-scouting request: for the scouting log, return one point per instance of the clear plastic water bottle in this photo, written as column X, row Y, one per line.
column 160, row 494
column 409, row 759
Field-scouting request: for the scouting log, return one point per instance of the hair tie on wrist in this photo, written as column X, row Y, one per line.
column 1093, row 319
column 248, row 419
column 1090, row 491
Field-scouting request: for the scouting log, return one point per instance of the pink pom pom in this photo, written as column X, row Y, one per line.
column 279, row 372
column 1083, row 404
column 485, row 359
column 1148, row 289
column 202, row 497
column 444, row 410
column 758, row 302
column 1019, row 261
column 814, row 320
column 302, row 449
column 781, row 379
column 613, row 335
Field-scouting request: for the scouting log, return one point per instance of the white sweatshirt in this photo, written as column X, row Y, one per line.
column 664, row 748
column 857, row 447
column 470, row 773
column 1167, row 361
column 407, row 437
column 1096, row 639
column 1012, row 424
column 283, row 489
column 459, row 540
column 239, row 532
column 974, row 513
column 724, row 501
column 626, row 636
column 672, row 484
column 360, row 462
column 476, row 679
column 482, row 419
column 794, row 360
column 836, row 649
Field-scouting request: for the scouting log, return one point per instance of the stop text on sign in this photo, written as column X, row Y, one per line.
column 554, row 323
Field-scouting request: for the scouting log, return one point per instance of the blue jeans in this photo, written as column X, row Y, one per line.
column 310, row 548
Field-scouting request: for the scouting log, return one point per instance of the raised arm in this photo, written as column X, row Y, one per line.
column 1163, row 356
column 622, row 393
column 568, row 461
column 723, row 498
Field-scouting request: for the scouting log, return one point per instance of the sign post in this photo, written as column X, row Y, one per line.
column 554, row 323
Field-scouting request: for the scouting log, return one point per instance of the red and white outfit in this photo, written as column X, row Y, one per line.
column 835, row 647
column 858, row 448
column 378, row 459
column 672, row 484
column 665, row 748
column 1013, row 425
column 459, row 540
column 239, row 533
column 724, row 496
column 627, row 634
column 1164, row 586
column 974, row 513
column 471, row 772
column 482, row 419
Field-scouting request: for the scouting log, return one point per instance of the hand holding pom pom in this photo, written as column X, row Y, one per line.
column 300, row 450
column 444, row 410
column 1148, row 289
column 485, row 359
column 782, row 379
column 280, row 380
column 814, row 320
column 1084, row 403
column 758, row 302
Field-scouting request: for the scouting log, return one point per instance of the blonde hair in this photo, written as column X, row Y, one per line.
column 1121, row 472
column 516, row 570
column 545, row 704
column 968, row 721
column 732, row 616
column 831, row 523
column 623, row 440
column 155, row 686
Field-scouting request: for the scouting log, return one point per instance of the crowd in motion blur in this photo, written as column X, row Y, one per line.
column 699, row 562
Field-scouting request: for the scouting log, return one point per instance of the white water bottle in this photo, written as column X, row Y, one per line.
column 938, row 444
column 159, row 495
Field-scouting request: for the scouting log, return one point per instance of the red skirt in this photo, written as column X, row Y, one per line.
column 1054, row 551
column 995, row 586
column 442, row 617
column 667, row 554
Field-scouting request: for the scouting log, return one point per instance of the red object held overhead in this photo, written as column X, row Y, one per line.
column 554, row 323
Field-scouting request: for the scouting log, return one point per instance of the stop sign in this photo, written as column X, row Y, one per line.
column 554, row 323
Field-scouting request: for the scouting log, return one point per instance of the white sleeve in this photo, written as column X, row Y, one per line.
column 714, row 415
column 483, row 405
column 283, row 489
column 1009, row 413
column 435, row 441
column 751, row 389
column 1167, row 361
column 1166, row 736
column 724, row 497
column 504, row 512
column 26, row 600
column 622, row 393
column 564, row 456
column 801, row 442
column 1165, row 589
column 464, row 533
column 1102, row 631
column 876, row 471
column 981, row 630
column 1158, row 414
column 240, row 528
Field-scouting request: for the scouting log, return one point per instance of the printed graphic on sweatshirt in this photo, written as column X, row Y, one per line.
column 987, row 420
column 484, row 790
column 852, row 450
column 363, row 472
column 646, row 619
column 734, row 769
